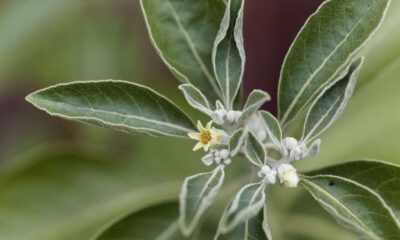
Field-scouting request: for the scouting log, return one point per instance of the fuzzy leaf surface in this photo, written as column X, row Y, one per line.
column 255, row 100
column 183, row 33
column 255, row 229
column 197, row 194
column 246, row 204
column 329, row 40
column 254, row 150
column 273, row 127
column 354, row 206
column 195, row 98
column 331, row 103
column 118, row 105
column 228, row 52
column 381, row 177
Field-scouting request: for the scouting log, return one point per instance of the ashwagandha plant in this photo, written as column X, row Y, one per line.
column 201, row 42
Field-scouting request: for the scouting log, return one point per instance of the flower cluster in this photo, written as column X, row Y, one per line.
column 289, row 149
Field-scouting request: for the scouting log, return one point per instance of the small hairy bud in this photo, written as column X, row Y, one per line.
column 232, row 116
column 224, row 154
column 288, row 175
column 268, row 174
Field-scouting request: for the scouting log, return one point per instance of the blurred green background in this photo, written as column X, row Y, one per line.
column 65, row 180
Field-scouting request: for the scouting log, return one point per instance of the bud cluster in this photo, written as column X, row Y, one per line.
column 217, row 157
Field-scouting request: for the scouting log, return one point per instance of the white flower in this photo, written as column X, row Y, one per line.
column 268, row 174
column 288, row 175
column 208, row 137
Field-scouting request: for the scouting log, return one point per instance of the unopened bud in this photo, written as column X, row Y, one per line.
column 288, row 175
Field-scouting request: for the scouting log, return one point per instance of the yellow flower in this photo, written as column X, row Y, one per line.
column 208, row 137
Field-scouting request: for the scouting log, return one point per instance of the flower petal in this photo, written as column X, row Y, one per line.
column 198, row 146
column 196, row 136
column 208, row 126
column 200, row 126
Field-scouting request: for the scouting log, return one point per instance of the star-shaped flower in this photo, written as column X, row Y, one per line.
column 208, row 137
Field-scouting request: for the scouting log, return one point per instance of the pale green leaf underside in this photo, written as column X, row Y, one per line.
column 197, row 194
column 254, row 150
column 330, row 104
column 324, row 46
column 380, row 177
column 183, row 33
column 195, row 98
column 246, row 204
column 354, row 206
column 255, row 100
column 252, row 229
column 273, row 127
column 118, row 105
column 159, row 222
column 236, row 140
column 228, row 51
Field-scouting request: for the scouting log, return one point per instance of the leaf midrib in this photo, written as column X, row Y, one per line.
column 370, row 232
column 312, row 76
column 112, row 113
column 193, row 49
column 310, row 133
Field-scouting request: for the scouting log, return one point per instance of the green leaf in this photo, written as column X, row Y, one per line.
column 119, row 105
column 255, row 228
column 236, row 140
column 254, row 150
column 67, row 196
column 195, row 98
column 331, row 103
column 381, row 177
column 228, row 52
column 246, row 204
column 183, row 33
column 324, row 47
column 312, row 150
column 159, row 222
column 255, row 100
column 273, row 127
column 353, row 205
column 198, row 193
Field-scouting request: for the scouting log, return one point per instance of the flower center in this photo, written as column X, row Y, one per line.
column 206, row 137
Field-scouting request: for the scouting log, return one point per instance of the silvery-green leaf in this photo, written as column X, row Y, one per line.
column 119, row 105
column 228, row 52
column 236, row 140
column 273, row 127
column 197, row 194
column 195, row 98
column 255, row 100
column 330, row 104
column 312, row 150
column 254, row 150
column 324, row 47
column 381, row 177
column 183, row 33
column 159, row 222
column 354, row 206
column 255, row 228
column 246, row 204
